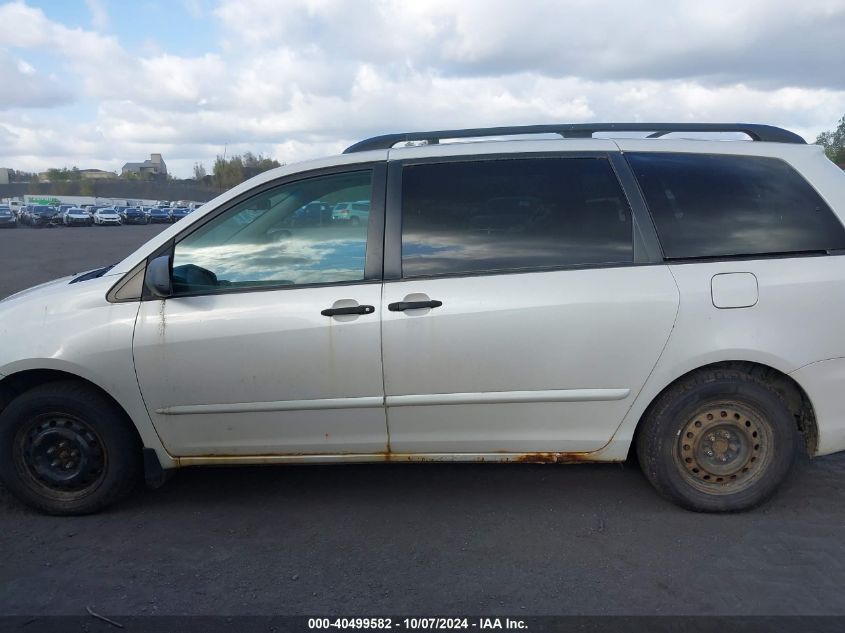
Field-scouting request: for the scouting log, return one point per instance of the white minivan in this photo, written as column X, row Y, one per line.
column 566, row 299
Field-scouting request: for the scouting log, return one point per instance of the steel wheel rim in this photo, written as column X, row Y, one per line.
column 723, row 448
column 60, row 455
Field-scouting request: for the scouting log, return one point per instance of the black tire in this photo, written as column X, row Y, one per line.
column 95, row 452
column 720, row 440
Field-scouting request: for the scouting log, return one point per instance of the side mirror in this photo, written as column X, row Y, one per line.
column 157, row 279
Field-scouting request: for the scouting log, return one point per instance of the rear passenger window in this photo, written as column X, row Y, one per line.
column 511, row 214
column 707, row 205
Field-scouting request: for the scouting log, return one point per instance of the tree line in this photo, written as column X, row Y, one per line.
column 225, row 174
column 228, row 172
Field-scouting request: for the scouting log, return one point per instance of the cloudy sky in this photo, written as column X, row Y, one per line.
column 95, row 83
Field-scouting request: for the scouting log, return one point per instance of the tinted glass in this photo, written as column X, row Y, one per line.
column 267, row 240
column 461, row 217
column 714, row 205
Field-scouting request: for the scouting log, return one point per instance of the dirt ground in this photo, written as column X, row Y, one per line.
column 429, row 539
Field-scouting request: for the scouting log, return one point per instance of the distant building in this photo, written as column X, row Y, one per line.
column 97, row 174
column 154, row 166
column 4, row 175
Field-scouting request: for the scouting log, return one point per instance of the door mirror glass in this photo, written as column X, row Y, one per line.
column 157, row 279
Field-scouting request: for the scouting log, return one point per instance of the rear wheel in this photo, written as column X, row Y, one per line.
column 66, row 449
column 718, row 441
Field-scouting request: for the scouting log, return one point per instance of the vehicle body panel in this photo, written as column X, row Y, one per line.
column 294, row 381
column 799, row 297
column 579, row 343
column 40, row 329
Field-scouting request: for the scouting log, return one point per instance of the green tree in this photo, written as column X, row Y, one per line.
column 199, row 171
column 834, row 143
column 227, row 173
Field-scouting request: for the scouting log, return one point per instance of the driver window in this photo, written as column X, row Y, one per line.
column 312, row 231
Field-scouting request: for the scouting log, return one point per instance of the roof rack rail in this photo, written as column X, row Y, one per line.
column 755, row 131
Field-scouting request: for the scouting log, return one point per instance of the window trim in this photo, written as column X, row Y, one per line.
column 374, row 248
column 692, row 259
column 644, row 244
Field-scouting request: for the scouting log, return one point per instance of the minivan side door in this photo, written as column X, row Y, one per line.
column 523, row 307
column 270, row 343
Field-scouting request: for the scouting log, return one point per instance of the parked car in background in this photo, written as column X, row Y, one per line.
column 312, row 214
column 355, row 212
column 177, row 213
column 134, row 215
column 76, row 216
column 40, row 215
column 7, row 218
column 107, row 215
column 16, row 206
column 159, row 216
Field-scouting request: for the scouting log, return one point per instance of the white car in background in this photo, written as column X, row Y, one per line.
column 545, row 300
column 76, row 216
column 357, row 212
column 107, row 216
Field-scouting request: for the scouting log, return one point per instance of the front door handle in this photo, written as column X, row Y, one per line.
column 401, row 306
column 349, row 310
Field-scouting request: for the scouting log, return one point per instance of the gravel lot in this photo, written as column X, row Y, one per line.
column 409, row 539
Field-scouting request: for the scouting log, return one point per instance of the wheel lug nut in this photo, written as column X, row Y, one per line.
column 51, row 450
column 54, row 463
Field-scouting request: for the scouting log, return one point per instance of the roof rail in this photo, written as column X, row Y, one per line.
column 581, row 130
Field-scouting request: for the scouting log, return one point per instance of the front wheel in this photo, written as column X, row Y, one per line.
column 66, row 449
column 718, row 441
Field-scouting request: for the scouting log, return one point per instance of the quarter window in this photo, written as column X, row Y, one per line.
column 286, row 236
column 707, row 205
column 511, row 214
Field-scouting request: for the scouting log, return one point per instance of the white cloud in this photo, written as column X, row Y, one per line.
column 99, row 14
column 24, row 87
column 304, row 78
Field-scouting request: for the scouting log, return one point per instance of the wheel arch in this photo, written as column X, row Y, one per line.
column 792, row 392
column 15, row 384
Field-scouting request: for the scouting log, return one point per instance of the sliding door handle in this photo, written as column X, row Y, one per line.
column 401, row 306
